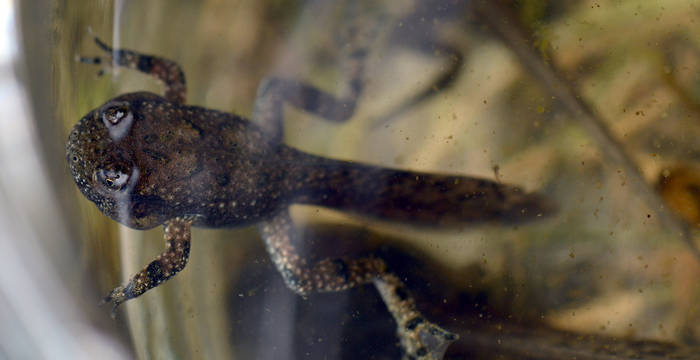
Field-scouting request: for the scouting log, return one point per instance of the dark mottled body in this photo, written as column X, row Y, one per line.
column 147, row 160
column 225, row 171
column 190, row 161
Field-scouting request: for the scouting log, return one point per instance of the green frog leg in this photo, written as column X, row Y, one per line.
column 419, row 338
column 164, row 70
column 177, row 236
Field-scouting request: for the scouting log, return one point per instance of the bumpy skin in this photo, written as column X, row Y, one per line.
column 147, row 160
column 182, row 160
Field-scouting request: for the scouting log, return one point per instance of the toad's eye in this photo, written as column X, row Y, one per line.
column 112, row 179
column 113, row 115
column 117, row 117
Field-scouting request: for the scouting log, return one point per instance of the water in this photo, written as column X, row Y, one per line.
column 603, row 264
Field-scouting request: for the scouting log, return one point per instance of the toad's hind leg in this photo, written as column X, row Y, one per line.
column 420, row 339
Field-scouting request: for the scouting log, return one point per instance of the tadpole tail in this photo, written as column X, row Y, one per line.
column 418, row 197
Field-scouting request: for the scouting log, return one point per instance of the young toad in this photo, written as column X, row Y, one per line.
column 147, row 160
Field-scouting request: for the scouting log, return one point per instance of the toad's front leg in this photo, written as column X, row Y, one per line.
column 420, row 339
column 177, row 236
column 165, row 70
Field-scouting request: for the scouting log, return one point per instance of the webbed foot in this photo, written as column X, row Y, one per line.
column 421, row 339
column 119, row 295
